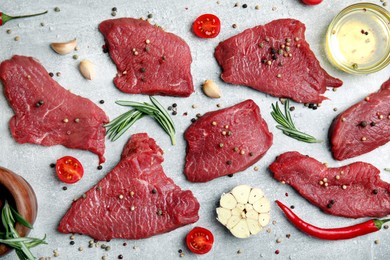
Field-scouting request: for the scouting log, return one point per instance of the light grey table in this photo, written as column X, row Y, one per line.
column 80, row 19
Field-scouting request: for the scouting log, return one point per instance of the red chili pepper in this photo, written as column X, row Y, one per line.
column 364, row 228
column 5, row 17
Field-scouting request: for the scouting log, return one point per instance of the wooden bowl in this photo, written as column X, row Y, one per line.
column 24, row 199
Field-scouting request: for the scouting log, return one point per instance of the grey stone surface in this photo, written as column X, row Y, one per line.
column 79, row 19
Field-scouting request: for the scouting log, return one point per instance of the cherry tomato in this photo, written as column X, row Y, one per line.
column 200, row 240
column 207, row 26
column 311, row 2
column 69, row 169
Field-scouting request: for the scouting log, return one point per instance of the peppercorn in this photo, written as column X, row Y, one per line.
column 375, row 191
column 114, row 9
column 52, row 165
column 174, row 105
column 174, row 113
column 154, row 191
column 64, row 188
column 100, row 167
column 244, row 6
column 101, row 101
column 193, row 120
column 120, row 256
column 71, row 243
column 51, row 74
column 363, row 123
column 229, row 162
column 372, row 124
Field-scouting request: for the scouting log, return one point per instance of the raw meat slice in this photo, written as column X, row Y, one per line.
column 46, row 113
column 148, row 59
column 363, row 127
column 135, row 200
column 351, row 191
column 276, row 59
column 225, row 142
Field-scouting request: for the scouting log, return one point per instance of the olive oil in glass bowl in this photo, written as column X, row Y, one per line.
column 358, row 39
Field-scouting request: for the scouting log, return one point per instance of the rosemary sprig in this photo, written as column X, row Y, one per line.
column 387, row 169
column 11, row 238
column 118, row 126
column 287, row 125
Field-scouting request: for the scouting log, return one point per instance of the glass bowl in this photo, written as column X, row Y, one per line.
column 358, row 39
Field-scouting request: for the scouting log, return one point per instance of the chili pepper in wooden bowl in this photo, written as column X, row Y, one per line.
column 348, row 232
column 5, row 17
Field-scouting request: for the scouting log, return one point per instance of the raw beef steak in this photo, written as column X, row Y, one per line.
column 363, row 127
column 148, row 59
column 275, row 59
column 226, row 141
column 135, row 200
column 46, row 113
column 352, row 191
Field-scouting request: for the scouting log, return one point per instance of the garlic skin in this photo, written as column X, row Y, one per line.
column 87, row 69
column 64, row 47
column 211, row 89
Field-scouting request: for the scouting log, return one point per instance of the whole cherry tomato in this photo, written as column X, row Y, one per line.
column 207, row 26
column 200, row 240
column 69, row 169
column 311, row 2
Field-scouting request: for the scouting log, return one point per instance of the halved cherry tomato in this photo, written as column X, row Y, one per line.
column 69, row 169
column 311, row 2
column 207, row 26
column 200, row 240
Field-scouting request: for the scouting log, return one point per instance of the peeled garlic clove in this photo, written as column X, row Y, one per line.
column 241, row 193
column 87, row 69
column 64, row 47
column 228, row 201
column 211, row 89
column 223, row 215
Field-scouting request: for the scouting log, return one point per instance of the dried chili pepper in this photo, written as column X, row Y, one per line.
column 364, row 228
column 5, row 17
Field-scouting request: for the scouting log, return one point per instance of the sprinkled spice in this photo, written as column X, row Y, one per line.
column 193, row 120
column 159, row 212
column 114, row 9
column 363, row 123
column 64, row 188
column 120, row 256
column 229, row 162
column 17, row 38
column 234, row 26
column 250, row 153
column 71, row 243
column 375, row 191
column 288, row 235
column 51, row 74
column 58, row 74
column 57, row 9
column 65, row 120
column 292, row 207
column 372, row 124
column 39, row 103
column 8, row 31
column 214, row 123
column 142, row 70
column 154, row 191
column 220, row 145
column 364, row 138
column 277, row 251
column 256, row 168
column 376, row 242
column 52, row 165
column 230, row 175
column 344, row 187
column 132, row 208
column 75, row 57
column 244, row 6
column 113, row 13
column 100, row 167
column 278, row 240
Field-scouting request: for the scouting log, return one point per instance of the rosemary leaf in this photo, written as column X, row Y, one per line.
column 287, row 125
column 118, row 126
column 20, row 219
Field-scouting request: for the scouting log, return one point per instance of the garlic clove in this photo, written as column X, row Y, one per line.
column 64, row 47
column 211, row 89
column 87, row 69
